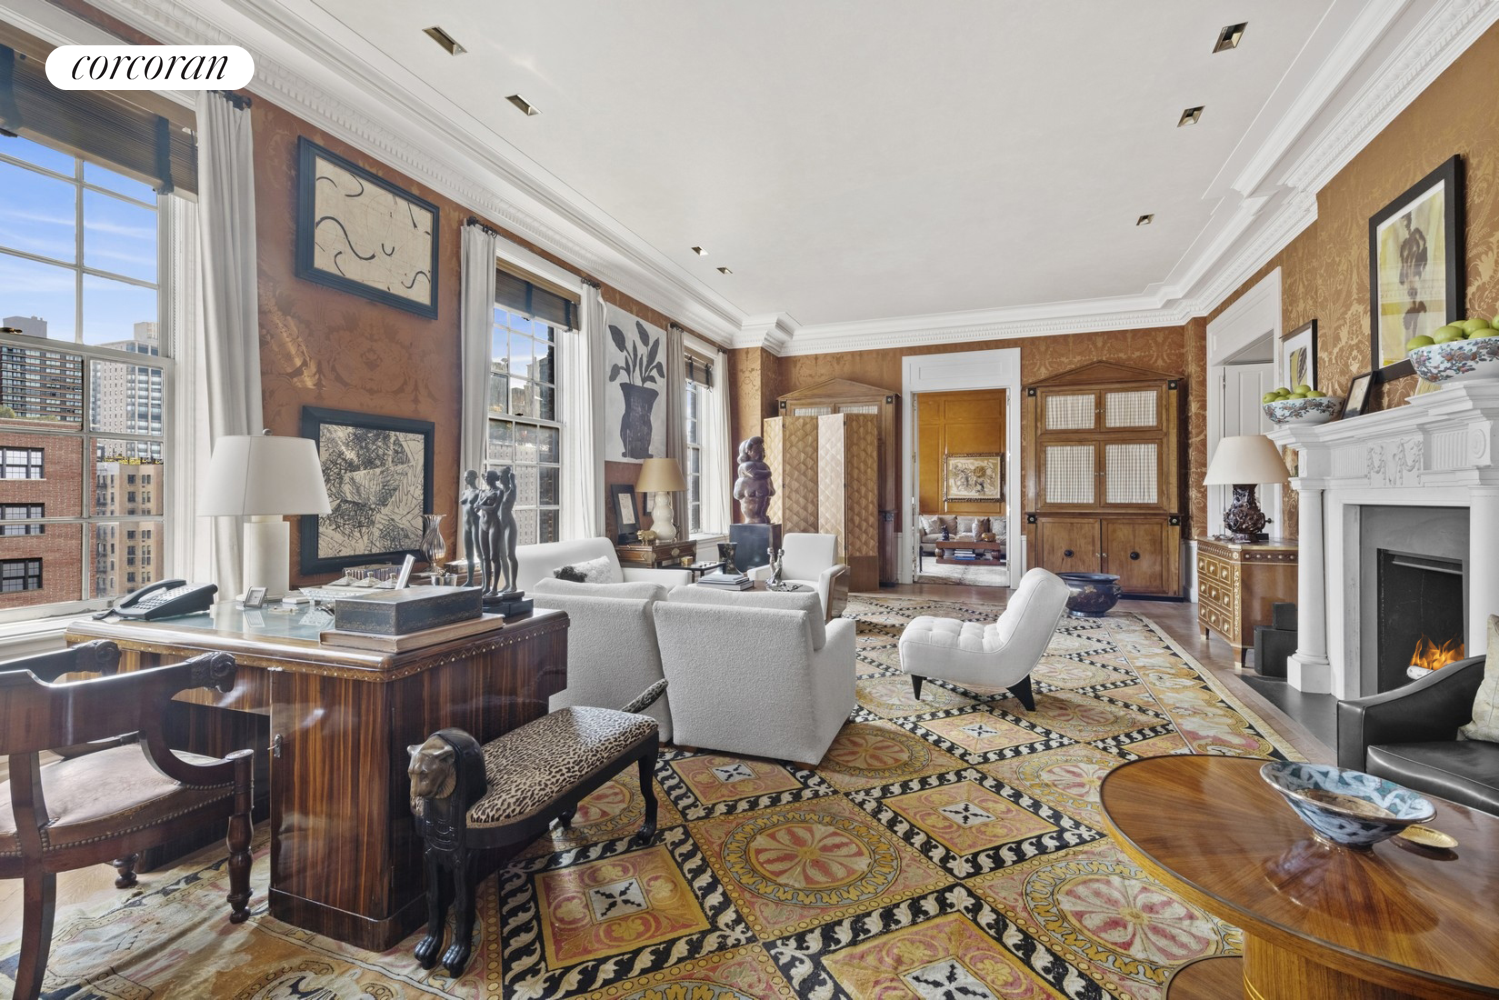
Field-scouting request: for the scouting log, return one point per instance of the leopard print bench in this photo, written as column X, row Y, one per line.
column 466, row 797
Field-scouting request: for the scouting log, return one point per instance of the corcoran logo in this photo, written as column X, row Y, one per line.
column 149, row 67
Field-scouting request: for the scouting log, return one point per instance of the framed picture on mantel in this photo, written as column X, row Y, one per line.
column 1416, row 267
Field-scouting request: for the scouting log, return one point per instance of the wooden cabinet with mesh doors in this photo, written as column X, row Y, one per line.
column 1103, row 487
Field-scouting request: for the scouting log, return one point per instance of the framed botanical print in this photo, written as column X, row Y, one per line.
column 364, row 235
column 972, row 477
column 378, row 472
column 626, row 516
column 1298, row 357
column 1416, row 269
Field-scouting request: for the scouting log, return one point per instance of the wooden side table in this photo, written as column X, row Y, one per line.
column 1236, row 584
column 681, row 552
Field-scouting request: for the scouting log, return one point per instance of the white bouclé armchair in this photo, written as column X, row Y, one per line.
column 813, row 560
column 1001, row 654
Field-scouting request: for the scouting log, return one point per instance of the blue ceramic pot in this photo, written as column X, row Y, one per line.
column 1093, row 594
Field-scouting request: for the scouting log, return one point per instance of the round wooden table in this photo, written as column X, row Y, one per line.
column 1318, row 921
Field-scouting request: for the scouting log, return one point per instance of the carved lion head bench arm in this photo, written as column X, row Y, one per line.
column 466, row 797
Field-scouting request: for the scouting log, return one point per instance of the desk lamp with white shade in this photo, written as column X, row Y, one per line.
column 262, row 478
column 1243, row 462
column 663, row 477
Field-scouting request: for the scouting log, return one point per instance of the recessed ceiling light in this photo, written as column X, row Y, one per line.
column 724, row 270
column 444, row 39
column 700, row 251
column 1229, row 37
column 1145, row 220
column 523, row 104
column 1190, row 116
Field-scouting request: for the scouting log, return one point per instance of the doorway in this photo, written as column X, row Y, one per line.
column 961, row 441
column 1241, row 368
column 991, row 370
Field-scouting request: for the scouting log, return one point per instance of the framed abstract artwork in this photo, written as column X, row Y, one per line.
column 363, row 235
column 972, row 477
column 1298, row 357
column 1416, row 269
column 378, row 471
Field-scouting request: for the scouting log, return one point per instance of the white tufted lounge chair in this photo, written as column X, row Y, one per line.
column 999, row 655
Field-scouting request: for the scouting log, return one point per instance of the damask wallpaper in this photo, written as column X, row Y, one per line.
column 1325, row 270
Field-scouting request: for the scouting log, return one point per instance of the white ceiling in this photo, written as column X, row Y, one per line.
column 869, row 158
column 878, row 173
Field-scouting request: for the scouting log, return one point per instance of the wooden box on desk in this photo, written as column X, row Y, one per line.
column 397, row 612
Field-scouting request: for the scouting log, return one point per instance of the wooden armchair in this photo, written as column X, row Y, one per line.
column 116, row 790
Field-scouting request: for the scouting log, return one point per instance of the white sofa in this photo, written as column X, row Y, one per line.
column 960, row 528
column 999, row 655
column 612, row 654
column 813, row 560
column 755, row 673
column 535, row 562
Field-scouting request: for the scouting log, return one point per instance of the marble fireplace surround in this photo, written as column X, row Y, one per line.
column 1437, row 450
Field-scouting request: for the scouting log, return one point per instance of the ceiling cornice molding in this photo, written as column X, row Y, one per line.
column 461, row 166
column 1443, row 35
column 575, row 236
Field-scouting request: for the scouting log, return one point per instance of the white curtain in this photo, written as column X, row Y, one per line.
column 231, row 315
column 476, row 335
column 190, row 538
column 676, row 419
column 717, row 450
column 582, row 394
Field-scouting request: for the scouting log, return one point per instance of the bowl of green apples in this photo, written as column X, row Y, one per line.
column 1466, row 351
column 1302, row 405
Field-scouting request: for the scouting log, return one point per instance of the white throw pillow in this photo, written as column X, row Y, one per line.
column 600, row 570
column 1485, row 724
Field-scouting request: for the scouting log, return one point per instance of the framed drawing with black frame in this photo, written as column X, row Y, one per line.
column 378, row 472
column 364, row 235
column 1416, row 268
column 1358, row 395
column 1298, row 357
column 626, row 517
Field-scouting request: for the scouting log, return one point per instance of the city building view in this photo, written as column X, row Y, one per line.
column 82, row 410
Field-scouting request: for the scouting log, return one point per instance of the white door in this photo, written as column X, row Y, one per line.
column 1243, row 385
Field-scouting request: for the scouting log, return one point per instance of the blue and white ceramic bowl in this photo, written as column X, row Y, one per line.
column 1304, row 411
column 1457, row 360
column 1346, row 807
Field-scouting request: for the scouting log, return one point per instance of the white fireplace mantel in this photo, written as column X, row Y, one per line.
column 1437, row 450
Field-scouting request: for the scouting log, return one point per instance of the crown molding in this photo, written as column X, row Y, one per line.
column 453, row 158
column 435, row 152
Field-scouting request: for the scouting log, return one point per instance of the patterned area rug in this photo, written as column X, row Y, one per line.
column 950, row 848
column 966, row 575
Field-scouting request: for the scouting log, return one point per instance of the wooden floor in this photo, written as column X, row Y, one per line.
column 1179, row 619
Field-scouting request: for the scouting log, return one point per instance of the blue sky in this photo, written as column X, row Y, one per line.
column 38, row 215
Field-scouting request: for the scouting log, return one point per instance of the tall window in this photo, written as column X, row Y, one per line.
column 83, row 375
column 694, row 468
column 523, row 429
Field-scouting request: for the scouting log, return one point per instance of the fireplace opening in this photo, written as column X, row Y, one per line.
column 1421, row 617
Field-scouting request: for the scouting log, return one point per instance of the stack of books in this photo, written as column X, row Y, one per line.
column 727, row 581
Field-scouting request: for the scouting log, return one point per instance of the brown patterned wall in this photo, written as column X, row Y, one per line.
column 323, row 347
column 1325, row 270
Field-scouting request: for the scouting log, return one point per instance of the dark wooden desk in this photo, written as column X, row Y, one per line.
column 344, row 860
column 1320, row 922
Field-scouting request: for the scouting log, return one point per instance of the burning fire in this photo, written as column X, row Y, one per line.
column 1430, row 656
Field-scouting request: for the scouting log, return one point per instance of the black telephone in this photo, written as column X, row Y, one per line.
column 164, row 599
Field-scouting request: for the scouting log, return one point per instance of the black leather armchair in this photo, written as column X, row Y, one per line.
column 1409, row 735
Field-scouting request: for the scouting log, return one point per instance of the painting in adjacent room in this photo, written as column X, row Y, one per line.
column 635, row 392
column 972, row 477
